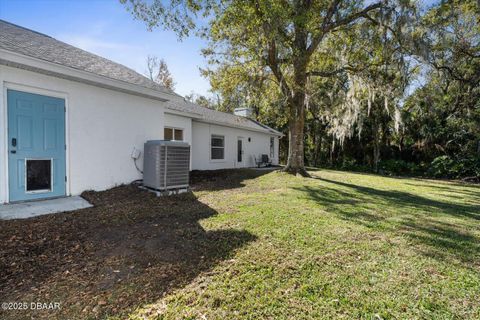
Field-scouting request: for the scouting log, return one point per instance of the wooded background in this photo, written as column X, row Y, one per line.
column 388, row 86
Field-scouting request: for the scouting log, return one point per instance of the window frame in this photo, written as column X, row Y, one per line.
column 217, row 147
column 174, row 129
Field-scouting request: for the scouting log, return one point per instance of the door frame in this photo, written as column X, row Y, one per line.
column 40, row 91
column 239, row 164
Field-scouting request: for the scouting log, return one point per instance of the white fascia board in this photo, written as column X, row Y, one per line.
column 17, row 60
column 199, row 118
column 183, row 113
column 223, row 124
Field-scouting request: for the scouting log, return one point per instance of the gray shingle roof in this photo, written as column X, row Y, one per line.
column 37, row 45
column 214, row 116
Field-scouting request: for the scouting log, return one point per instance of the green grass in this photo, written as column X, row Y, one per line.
column 341, row 245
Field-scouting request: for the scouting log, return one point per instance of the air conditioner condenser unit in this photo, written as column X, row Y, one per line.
column 166, row 164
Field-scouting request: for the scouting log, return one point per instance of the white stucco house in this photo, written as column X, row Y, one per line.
column 69, row 121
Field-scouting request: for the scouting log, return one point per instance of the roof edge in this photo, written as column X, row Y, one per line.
column 224, row 124
column 267, row 127
column 26, row 62
column 17, row 60
column 271, row 130
column 186, row 114
column 25, row 28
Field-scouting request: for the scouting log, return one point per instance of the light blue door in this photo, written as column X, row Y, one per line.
column 36, row 146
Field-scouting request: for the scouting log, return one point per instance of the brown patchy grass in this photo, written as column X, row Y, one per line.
column 251, row 245
column 130, row 248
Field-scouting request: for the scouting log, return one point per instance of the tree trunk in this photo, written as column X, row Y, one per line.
column 318, row 147
column 295, row 162
column 313, row 156
column 376, row 148
column 332, row 150
column 376, row 155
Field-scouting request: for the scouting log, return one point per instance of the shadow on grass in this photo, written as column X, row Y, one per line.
column 404, row 213
column 129, row 250
column 405, row 199
column 444, row 240
column 215, row 180
column 452, row 189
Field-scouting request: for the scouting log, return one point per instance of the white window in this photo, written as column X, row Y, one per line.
column 217, row 147
column 272, row 147
column 173, row 134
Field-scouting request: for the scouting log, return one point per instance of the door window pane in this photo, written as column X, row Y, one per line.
column 239, row 151
column 272, row 147
column 39, row 175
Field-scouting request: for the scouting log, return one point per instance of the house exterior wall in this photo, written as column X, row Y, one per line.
column 180, row 122
column 103, row 127
column 201, row 139
column 184, row 123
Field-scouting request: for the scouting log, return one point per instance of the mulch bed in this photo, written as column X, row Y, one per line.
column 128, row 250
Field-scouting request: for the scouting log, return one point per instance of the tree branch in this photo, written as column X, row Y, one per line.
column 355, row 16
column 449, row 70
column 325, row 74
column 272, row 62
column 328, row 25
column 323, row 29
column 272, row 59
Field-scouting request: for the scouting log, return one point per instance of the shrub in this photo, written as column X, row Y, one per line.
column 441, row 167
column 454, row 168
column 350, row 164
column 400, row 167
column 394, row 167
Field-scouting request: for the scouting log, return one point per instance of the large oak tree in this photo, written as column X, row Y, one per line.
column 282, row 35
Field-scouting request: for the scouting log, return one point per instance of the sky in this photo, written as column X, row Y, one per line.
column 104, row 27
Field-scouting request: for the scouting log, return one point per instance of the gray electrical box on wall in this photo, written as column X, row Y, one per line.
column 166, row 164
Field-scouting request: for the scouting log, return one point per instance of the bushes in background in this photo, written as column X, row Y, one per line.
column 445, row 167
column 401, row 168
column 448, row 167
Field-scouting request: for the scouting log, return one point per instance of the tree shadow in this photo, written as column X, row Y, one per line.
column 215, row 180
column 443, row 240
column 129, row 250
column 346, row 205
column 469, row 190
column 421, row 179
column 405, row 214
column 405, row 199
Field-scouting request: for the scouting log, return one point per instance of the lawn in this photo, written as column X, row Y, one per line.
column 250, row 245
